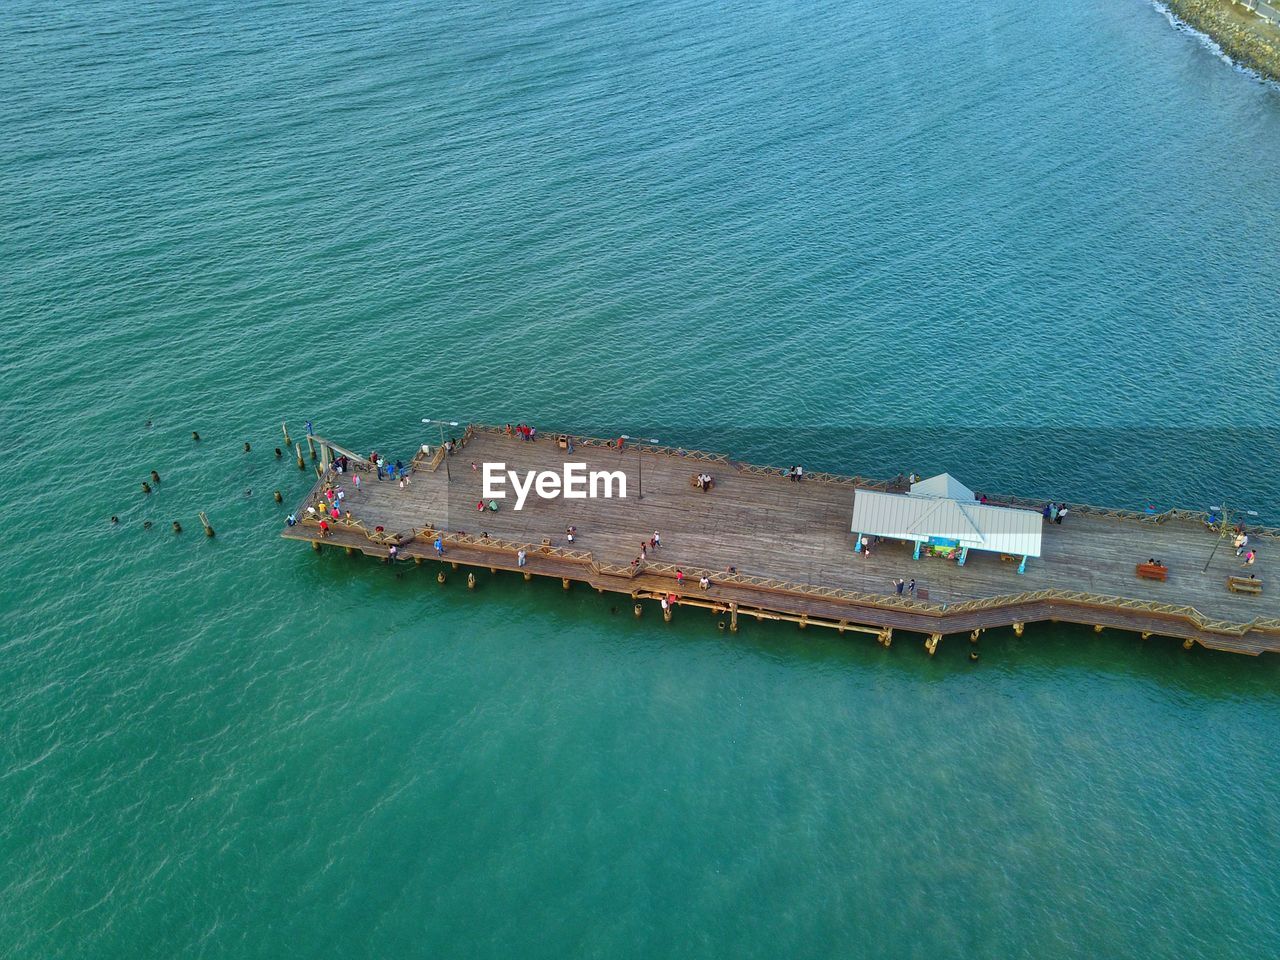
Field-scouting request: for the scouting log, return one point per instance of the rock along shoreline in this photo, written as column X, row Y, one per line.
column 1246, row 39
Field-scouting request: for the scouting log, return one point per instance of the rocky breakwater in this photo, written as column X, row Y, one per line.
column 1246, row 38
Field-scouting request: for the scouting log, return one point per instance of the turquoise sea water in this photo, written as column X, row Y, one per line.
column 1034, row 244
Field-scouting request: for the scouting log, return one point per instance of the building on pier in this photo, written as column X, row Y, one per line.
column 941, row 516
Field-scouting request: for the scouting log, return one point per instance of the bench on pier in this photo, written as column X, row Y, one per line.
column 1009, row 558
column 1152, row 571
column 1244, row 585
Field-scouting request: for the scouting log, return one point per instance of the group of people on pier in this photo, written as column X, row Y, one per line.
column 647, row 547
column 1054, row 512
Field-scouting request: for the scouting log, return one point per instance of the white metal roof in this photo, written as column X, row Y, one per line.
column 971, row 524
column 943, row 485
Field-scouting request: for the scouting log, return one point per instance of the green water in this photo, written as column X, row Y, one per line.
column 1037, row 246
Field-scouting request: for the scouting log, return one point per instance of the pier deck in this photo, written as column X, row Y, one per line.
column 793, row 553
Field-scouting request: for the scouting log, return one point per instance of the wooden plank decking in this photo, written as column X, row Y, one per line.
column 793, row 552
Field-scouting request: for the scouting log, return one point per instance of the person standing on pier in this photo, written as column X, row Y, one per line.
column 1241, row 541
column 911, row 587
column 520, row 557
column 900, row 585
column 1062, row 512
column 657, row 540
column 439, row 545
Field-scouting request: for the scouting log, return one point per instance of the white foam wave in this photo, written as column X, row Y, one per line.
column 1209, row 43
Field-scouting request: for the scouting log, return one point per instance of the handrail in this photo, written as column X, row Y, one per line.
column 877, row 600
column 892, row 601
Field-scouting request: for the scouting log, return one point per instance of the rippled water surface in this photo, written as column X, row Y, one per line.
column 1034, row 244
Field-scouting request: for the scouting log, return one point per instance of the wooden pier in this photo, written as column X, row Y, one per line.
column 774, row 549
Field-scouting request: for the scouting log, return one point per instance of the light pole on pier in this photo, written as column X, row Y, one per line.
column 639, row 464
column 1225, row 528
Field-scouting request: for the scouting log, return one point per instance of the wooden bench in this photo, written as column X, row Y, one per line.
column 1244, row 585
column 1152, row 571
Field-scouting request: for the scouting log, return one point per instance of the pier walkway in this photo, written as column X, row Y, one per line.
column 790, row 550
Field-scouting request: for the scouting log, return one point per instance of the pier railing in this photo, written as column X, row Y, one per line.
column 906, row 604
column 691, row 574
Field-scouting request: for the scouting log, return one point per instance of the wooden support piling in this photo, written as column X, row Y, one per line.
column 285, row 427
column 311, row 446
column 301, row 464
column 208, row 527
